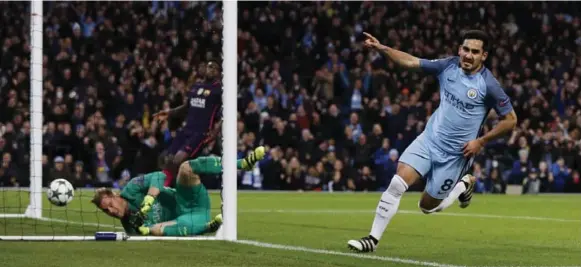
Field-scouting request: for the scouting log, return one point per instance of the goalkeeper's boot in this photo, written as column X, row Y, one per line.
column 255, row 156
column 215, row 224
column 365, row 244
column 464, row 198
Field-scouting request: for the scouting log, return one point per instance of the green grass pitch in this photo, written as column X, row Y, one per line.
column 496, row 230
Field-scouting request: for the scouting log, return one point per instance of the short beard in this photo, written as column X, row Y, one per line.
column 471, row 70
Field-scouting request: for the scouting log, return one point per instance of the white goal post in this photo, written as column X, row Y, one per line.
column 34, row 209
column 36, row 193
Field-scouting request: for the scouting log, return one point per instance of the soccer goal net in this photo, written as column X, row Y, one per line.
column 36, row 209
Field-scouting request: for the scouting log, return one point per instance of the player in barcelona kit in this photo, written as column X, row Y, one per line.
column 202, row 111
column 146, row 207
column 443, row 153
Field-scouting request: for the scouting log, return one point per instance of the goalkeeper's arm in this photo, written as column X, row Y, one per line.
column 155, row 183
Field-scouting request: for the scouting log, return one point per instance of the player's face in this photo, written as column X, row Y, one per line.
column 212, row 70
column 472, row 55
column 114, row 206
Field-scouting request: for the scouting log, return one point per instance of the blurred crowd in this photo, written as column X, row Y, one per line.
column 107, row 67
column 335, row 116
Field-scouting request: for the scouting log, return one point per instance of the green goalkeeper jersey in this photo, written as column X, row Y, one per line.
column 164, row 206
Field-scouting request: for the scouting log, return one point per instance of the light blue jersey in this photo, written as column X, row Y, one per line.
column 465, row 100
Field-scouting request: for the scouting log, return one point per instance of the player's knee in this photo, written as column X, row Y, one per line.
column 176, row 161
column 186, row 175
column 428, row 204
column 427, row 210
column 407, row 173
column 184, row 172
column 179, row 158
column 167, row 161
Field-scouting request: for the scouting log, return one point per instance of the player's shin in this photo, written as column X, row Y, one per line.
column 449, row 200
column 387, row 206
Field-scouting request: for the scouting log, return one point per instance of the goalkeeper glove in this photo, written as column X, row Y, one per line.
column 136, row 220
column 143, row 230
column 146, row 204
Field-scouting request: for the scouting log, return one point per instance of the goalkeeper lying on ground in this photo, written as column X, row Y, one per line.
column 146, row 207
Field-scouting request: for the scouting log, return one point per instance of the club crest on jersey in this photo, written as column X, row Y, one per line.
column 200, row 91
column 206, row 92
column 472, row 93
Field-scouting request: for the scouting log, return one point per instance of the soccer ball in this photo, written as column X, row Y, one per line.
column 60, row 192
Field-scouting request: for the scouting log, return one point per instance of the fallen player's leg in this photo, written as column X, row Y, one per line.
column 195, row 223
column 192, row 198
column 192, row 203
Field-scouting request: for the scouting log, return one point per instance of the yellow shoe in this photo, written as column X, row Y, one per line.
column 215, row 224
column 255, row 156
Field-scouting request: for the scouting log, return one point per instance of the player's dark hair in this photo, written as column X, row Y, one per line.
column 216, row 63
column 477, row 35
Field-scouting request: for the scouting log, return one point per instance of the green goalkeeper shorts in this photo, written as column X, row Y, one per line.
column 190, row 224
column 193, row 211
column 192, row 199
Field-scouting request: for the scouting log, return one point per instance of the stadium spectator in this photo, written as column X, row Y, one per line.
column 335, row 116
column 107, row 68
column 303, row 61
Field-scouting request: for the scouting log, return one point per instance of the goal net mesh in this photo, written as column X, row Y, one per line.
column 80, row 82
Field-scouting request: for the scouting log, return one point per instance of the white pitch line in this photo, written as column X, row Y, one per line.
column 473, row 215
column 355, row 211
column 306, row 249
column 78, row 223
column 337, row 253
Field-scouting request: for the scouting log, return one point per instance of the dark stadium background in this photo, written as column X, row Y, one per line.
column 334, row 116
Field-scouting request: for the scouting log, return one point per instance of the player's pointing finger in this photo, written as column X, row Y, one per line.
column 369, row 36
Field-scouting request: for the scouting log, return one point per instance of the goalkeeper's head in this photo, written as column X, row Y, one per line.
column 110, row 202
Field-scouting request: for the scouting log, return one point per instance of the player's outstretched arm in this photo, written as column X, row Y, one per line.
column 400, row 58
column 179, row 112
